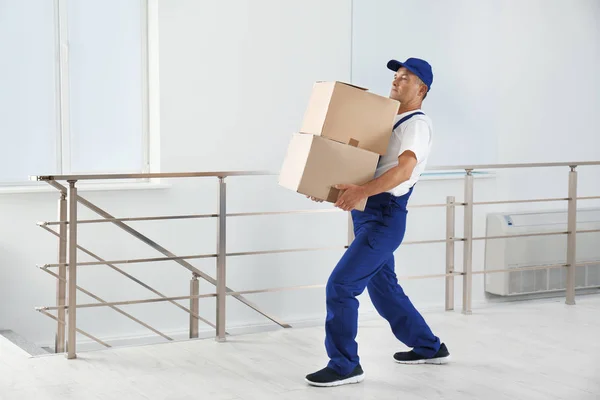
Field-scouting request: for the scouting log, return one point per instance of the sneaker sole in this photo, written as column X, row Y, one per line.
column 435, row 361
column 347, row 381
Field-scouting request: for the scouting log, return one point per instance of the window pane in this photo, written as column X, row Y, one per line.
column 28, row 109
column 105, row 69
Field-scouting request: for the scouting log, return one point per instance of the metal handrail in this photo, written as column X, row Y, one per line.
column 67, row 224
column 224, row 174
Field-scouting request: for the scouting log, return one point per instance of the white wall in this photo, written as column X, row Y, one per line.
column 234, row 80
column 551, row 90
column 509, row 77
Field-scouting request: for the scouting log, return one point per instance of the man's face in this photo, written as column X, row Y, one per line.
column 406, row 86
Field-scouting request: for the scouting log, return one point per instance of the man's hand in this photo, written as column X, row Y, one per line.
column 314, row 199
column 351, row 196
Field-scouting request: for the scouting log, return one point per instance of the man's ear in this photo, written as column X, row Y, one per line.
column 423, row 90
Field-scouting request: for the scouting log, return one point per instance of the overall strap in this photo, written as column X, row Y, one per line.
column 406, row 118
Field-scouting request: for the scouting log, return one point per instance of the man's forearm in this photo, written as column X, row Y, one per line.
column 389, row 180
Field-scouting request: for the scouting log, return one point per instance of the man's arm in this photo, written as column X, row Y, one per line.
column 414, row 147
column 393, row 177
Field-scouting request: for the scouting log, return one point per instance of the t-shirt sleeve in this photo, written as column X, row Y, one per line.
column 416, row 139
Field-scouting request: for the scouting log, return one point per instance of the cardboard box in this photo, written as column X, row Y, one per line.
column 350, row 114
column 314, row 164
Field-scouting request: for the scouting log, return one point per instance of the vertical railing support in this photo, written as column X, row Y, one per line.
column 72, row 274
column 194, row 306
column 450, row 235
column 221, row 260
column 572, row 236
column 61, row 283
column 468, row 247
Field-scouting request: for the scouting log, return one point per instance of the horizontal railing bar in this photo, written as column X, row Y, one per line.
column 60, row 321
column 408, row 278
column 286, row 288
column 266, row 173
column 444, row 205
column 588, row 231
column 480, row 203
column 300, row 250
column 327, row 210
column 158, row 218
column 432, row 241
column 130, row 302
column 508, row 166
column 456, row 273
column 517, row 269
column 250, row 214
column 199, row 216
column 132, row 261
column 254, row 253
column 247, row 214
column 535, row 234
column 588, row 198
column 279, row 289
column 521, row 235
column 535, row 267
column 586, row 263
column 148, row 175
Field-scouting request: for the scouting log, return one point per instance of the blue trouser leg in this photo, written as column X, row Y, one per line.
column 406, row 322
column 368, row 262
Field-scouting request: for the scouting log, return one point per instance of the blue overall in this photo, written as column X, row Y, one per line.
column 369, row 263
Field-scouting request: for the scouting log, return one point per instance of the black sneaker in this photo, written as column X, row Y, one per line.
column 410, row 357
column 327, row 377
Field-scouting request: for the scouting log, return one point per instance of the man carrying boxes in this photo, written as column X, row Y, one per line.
column 365, row 153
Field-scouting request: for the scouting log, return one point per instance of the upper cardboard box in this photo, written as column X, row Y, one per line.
column 351, row 115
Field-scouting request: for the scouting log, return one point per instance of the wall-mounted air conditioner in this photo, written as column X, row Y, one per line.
column 538, row 251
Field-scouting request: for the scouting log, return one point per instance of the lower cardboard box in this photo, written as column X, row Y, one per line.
column 313, row 165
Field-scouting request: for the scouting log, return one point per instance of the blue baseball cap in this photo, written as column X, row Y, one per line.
column 420, row 68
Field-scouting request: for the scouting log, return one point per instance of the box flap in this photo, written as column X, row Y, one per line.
column 346, row 83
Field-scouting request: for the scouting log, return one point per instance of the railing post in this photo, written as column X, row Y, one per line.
column 450, row 235
column 61, row 285
column 72, row 274
column 468, row 247
column 221, row 259
column 572, row 236
column 194, row 306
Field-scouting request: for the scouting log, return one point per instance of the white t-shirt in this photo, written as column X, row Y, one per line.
column 414, row 134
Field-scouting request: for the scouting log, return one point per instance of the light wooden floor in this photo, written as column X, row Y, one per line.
column 530, row 350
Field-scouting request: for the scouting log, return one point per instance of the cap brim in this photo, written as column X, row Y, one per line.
column 394, row 65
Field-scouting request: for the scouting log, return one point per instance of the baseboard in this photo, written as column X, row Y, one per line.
column 19, row 341
column 555, row 294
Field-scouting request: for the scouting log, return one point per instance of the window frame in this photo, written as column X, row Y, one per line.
column 148, row 10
